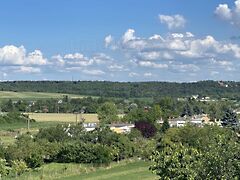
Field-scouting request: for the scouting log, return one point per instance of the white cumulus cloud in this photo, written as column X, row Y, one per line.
column 12, row 55
column 129, row 35
column 108, row 40
column 26, row 69
column 173, row 22
column 230, row 14
column 94, row 72
column 147, row 74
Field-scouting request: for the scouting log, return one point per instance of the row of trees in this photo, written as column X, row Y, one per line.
column 164, row 107
column 68, row 105
column 14, row 117
column 127, row 89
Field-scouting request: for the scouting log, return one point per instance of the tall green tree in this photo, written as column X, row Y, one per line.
column 190, row 152
column 176, row 162
column 187, row 110
column 229, row 119
column 107, row 113
column 165, row 126
column 154, row 114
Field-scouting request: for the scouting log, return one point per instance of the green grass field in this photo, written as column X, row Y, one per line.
column 120, row 171
column 34, row 95
column 132, row 171
column 62, row 117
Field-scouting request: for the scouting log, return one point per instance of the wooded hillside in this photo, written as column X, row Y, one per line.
column 127, row 89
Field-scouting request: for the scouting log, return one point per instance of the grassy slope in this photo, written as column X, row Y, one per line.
column 33, row 95
column 136, row 170
column 124, row 170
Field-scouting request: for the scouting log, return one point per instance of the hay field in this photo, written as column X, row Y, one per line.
column 62, row 117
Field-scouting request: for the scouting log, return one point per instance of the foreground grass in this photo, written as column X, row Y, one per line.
column 135, row 170
column 123, row 170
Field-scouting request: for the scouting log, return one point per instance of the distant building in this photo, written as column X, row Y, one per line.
column 118, row 128
column 89, row 126
column 237, row 111
column 122, row 128
column 177, row 122
column 196, row 120
column 182, row 99
column 195, row 97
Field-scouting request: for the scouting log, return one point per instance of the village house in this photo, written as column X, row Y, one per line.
column 197, row 120
column 89, row 126
column 118, row 128
column 122, row 128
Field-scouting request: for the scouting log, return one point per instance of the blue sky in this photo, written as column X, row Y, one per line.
column 127, row 40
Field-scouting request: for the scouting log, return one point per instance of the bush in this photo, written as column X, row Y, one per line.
column 84, row 153
column 26, row 149
column 18, row 167
column 147, row 129
column 34, row 161
column 204, row 153
column 14, row 117
column 4, row 169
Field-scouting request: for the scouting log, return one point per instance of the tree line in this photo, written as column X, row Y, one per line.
column 128, row 89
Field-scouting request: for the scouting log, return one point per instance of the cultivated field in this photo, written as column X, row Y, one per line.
column 62, row 117
column 34, row 95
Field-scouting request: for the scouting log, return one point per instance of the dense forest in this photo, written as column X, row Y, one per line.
column 128, row 89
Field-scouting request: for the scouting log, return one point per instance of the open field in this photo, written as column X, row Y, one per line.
column 20, row 126
column 34, row 95
column 124, row 170
column 136, row 170
column 62, row 117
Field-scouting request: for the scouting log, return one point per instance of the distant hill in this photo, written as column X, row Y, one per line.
column 127, row 89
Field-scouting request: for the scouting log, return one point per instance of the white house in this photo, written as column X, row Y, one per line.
column 89, row 126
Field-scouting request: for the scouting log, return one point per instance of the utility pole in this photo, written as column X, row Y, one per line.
column 76, row 113
column 82, row 111
column 58, row 104
column 28, row 125
column 28, row 120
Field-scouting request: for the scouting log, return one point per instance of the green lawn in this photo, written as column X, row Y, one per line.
column 128, row 169
column 135, row 170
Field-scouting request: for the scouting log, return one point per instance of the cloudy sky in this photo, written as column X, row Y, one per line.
column 124, row 40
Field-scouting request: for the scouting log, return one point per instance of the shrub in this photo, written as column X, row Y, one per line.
column 18, row 167
column 34, row 161
column 147, row 129
column 4, row 169
column 84, row 153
